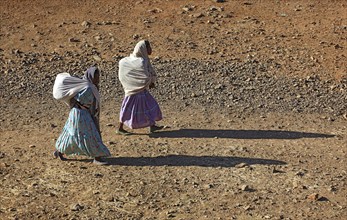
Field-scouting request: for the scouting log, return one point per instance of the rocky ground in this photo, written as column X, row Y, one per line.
column 253, row 94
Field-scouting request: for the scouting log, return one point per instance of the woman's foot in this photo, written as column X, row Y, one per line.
column 155, row 128
column 99, row 161
column 121, row 131
column 57, row 154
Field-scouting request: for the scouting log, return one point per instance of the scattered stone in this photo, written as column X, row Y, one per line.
column 76, row 207
column 98, row 175
column 198, row 15
column 245, row 188
column 3, row 165
column 86, row 24
column 274, row 170
column 32, row 146
column 313, row 197
column 247, row 207
column 241, row 165
column 136, row 36
column 73, row 40
column 97, row 58
column 155, row 10
column 187, row 8
column 208, row 186
column 2, row 155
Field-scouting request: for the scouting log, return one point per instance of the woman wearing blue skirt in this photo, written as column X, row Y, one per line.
column 81, row 133
column 139, row 109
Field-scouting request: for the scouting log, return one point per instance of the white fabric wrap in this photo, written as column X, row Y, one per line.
column 66, row 87
column 135, row 74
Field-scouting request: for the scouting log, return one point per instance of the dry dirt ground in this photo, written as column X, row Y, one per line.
column 209, row 163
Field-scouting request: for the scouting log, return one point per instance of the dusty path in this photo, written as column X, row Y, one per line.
column 253, row 92
column 206, row 165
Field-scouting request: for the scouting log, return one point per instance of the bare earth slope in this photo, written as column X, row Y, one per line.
column 253, row 94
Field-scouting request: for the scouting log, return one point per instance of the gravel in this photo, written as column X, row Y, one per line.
column 245, row 87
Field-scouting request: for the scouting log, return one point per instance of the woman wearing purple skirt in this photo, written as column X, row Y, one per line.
column 139, row 108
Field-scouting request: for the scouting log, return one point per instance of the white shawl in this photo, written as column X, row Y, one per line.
column 135, row 71
column 66, row 87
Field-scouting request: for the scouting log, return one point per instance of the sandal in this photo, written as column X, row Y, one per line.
column 99, row 161
column 122, row 132
column 57, row 154
column 155, row 128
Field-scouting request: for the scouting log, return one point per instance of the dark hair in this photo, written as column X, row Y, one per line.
column 147, row 44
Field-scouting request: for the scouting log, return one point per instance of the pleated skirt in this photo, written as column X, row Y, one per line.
column 80, row 136
column 140, row 110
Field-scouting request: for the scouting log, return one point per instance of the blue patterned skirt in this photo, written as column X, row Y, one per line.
column 80, row 136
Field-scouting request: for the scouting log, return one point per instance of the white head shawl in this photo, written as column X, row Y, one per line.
column 140, row 50
column 136, row 72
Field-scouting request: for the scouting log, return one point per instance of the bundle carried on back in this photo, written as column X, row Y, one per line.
column 67, row 86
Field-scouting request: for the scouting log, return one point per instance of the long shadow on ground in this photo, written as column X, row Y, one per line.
column 237, row 134
column 186, row 160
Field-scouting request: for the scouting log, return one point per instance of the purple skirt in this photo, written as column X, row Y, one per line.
column 140, row 110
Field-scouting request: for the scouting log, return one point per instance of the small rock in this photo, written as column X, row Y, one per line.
column 187, row 8
column 245, row 188
column 99, row 175
column 72, row 39
column 86, row 24
column 241, row 165
column 198, row 15
column 32, row 146
column 313, row 197
column 248, row 207
column 274, row 170
column 110, row 199
column 3, row 165
column 97, row 58
column 208, row 186
column 155, row 10
column 76, row 207
column 136, row 36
